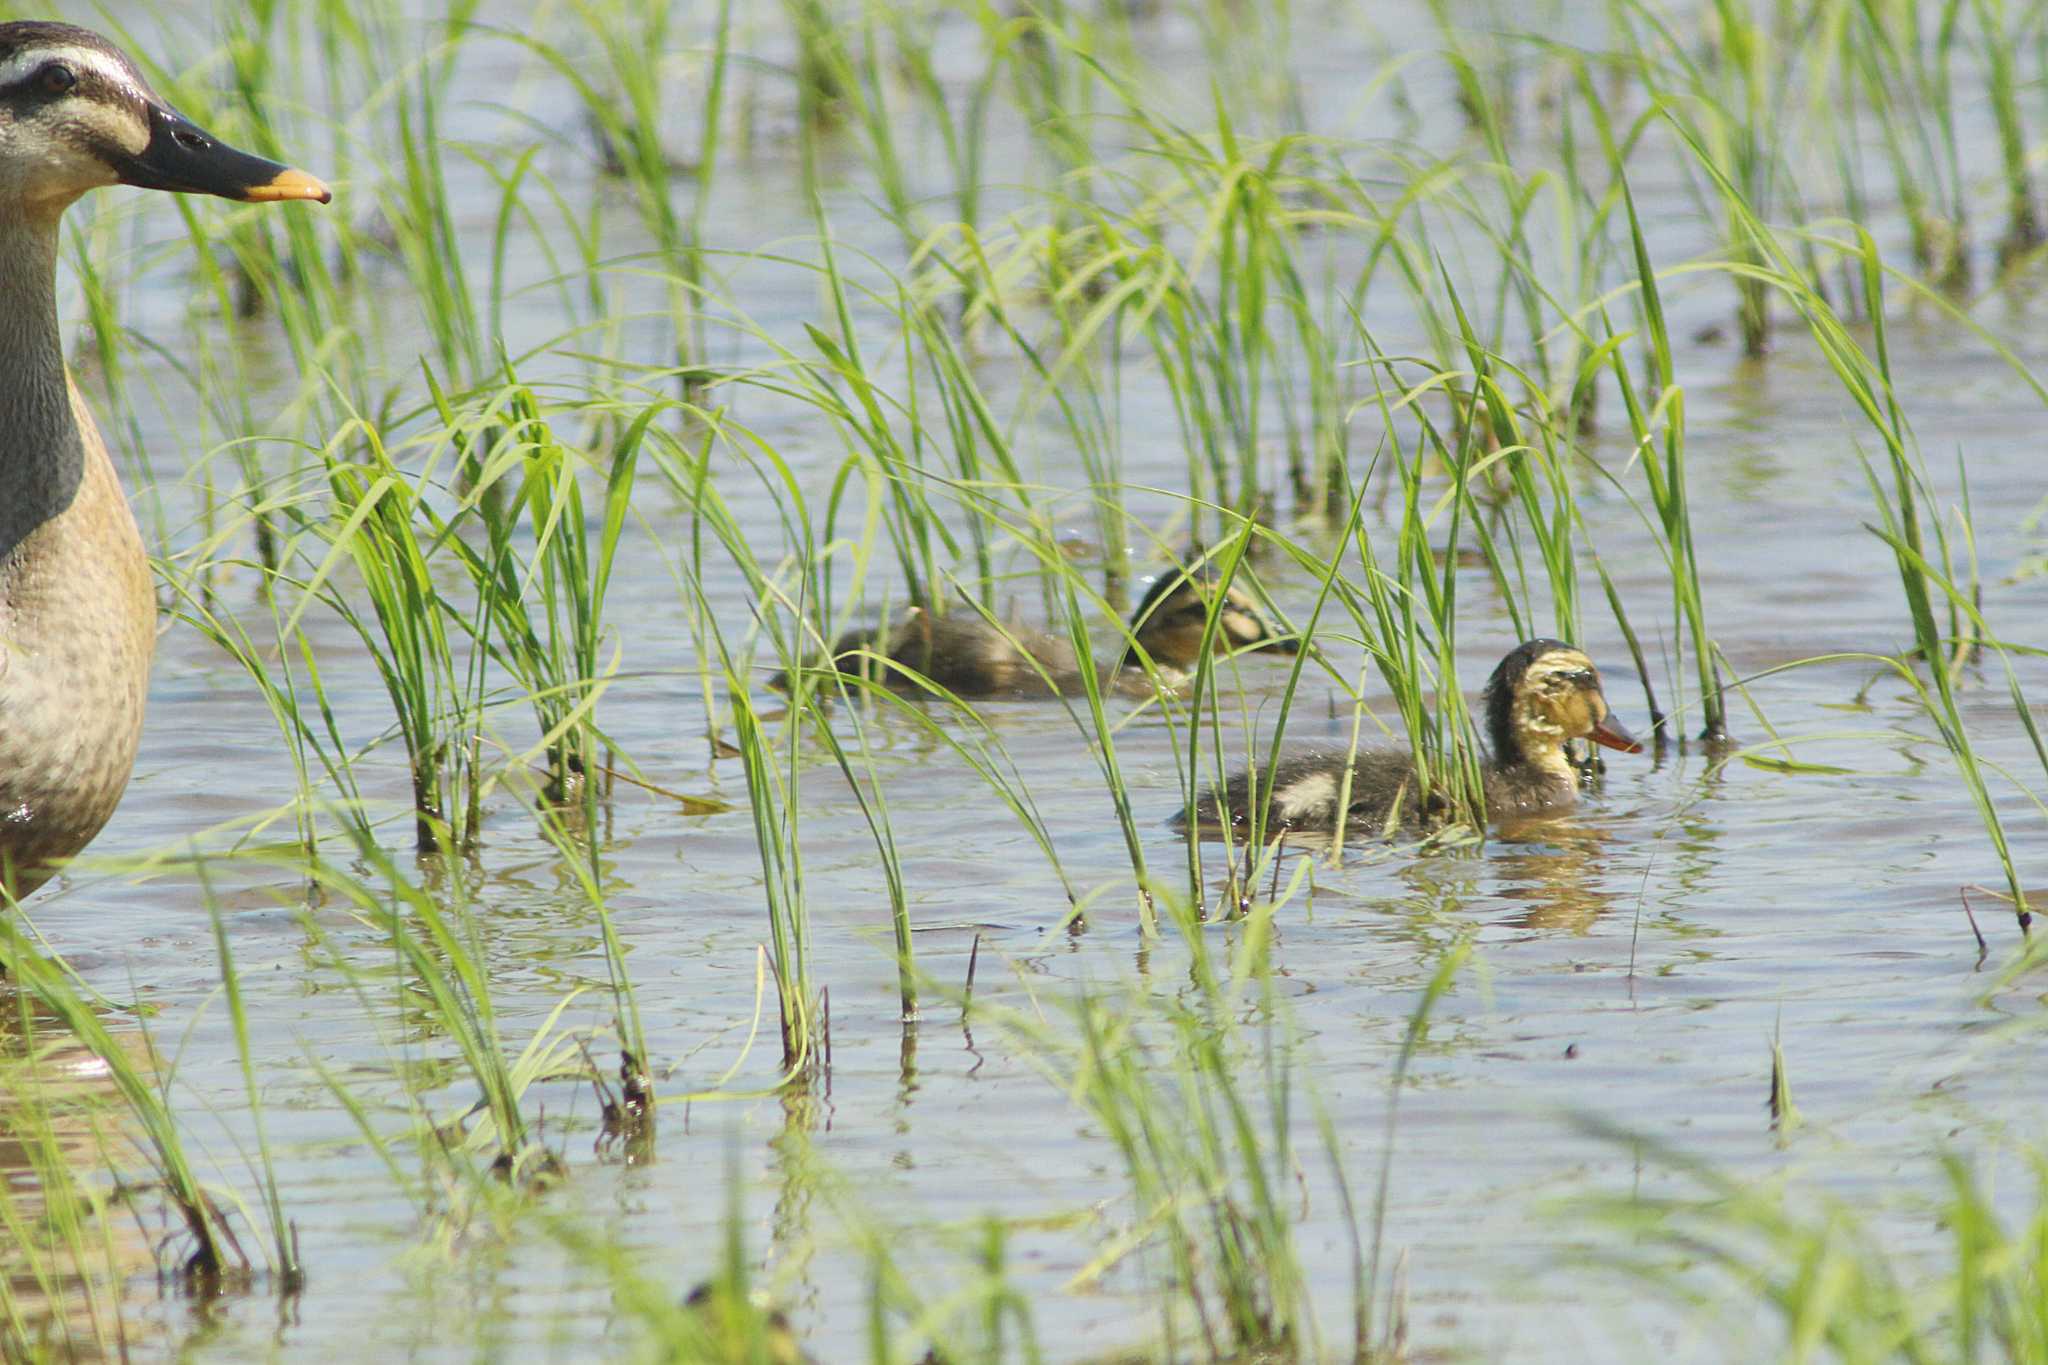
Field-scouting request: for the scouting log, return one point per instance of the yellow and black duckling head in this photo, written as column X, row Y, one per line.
column 1542, row 694
column 1174, row 614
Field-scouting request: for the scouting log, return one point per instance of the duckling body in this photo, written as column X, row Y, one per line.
column 1541, row 695
column 77, row 617
column 968, row 657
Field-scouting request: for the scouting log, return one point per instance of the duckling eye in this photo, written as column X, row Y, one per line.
column 56, row 79
column 1579, row 680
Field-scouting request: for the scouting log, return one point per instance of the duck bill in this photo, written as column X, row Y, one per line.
column 184, row 158
column 1285, row 644
column 1614, row 735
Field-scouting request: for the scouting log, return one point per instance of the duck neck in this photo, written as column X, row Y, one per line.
column 1130, row 669
column 42, row 455
column 1535, row 745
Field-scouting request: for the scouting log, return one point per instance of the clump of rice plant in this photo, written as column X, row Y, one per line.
column 1832, row 1278
column 207, row 1255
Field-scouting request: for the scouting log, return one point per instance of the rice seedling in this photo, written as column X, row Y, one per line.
column 786, row 616
column 206, row 1254
column 1206, row 1178
column 963, row 130
column 1829, row 1276
column 1999, row 37
column 1214, row 345
column 626, row 111
column 874, row 805
column 1207, row 1143
column 1784, row 1116
column 1667, row 479
column 1923, row 579
column 563, row 579
column 977, row 1314
column 295, row 701
column 63, row 1251
column 284, row 1238
column 1405, row 615
column 373, row 524
column 1055, row 81
column 438, row 952
column 1908, row 79
column 1729, row 99
column 824, row 86
column 628, row 1115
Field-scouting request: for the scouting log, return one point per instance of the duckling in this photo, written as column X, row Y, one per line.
column 77, row 614
column 1543, row 693
column 738, row 1325
column 961, row 652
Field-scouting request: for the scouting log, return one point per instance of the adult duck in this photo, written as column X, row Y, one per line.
column 77, row 616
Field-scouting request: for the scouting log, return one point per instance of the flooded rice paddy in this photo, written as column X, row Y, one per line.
column 1631, row 966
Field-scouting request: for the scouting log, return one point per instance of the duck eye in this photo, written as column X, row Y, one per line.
column 56, row 79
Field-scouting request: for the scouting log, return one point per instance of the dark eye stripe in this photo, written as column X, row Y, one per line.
column 28, row 79
column 49, row 81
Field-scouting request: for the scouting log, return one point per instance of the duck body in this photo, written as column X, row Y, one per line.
column 1542, row 694
column 77, row 615
column 77, row 631
column 963, row 653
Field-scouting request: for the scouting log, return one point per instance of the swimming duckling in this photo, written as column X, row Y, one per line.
column 961, row 652
column 77, row 611
column 735, row 1324
column 1543, row 693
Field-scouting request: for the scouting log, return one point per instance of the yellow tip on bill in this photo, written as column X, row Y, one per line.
column 290, row 184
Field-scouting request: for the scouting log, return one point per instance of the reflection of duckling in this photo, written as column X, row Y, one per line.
column 1556, row 882
column 962, row 653
column 1542, row 694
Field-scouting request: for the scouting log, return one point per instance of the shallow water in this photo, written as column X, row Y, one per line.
column 1634, row 962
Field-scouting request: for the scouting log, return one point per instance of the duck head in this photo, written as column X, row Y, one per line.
column 1544, row 693
column 1170, row 621
column 75, row 114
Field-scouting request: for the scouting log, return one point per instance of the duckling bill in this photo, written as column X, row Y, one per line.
column 968, row 657
column 1542, row 694
column 77, row 613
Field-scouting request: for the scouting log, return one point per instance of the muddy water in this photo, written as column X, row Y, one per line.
column 1635, row 962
